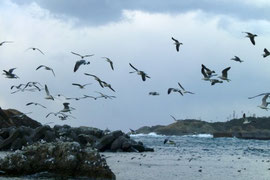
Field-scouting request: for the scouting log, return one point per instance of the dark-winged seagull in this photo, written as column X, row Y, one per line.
column 237, row 59
column 251, row 37
column 46, row 68
column 224, row 75
column 79, row 63
column 4, row 42
column 184, row 91
column 82, row 56
column 34, row 48
column 266, row 53
column 34, row 103
column 48, row 95
column 9, row 74
column 177, row 44
column 141, row 73
column 154, row 93
column 109, row 61
column 81, row 86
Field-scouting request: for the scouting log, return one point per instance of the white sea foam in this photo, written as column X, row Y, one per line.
column 203, row 135
column 153, row 134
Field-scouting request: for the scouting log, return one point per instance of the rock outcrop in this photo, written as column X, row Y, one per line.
column 64, row 159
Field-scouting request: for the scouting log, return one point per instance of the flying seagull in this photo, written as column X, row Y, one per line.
column 237, row 59
column 107, row 85
column 96, row 78
column 104, row 96
column 177, row 44
column 82, row 56
column 9, row 74
column 184, row 91
column 266, row 53
column 141, row 73
column 34, row 48
column 168, row 141
column 46, row 68
column 81, row 86
column 48, row 95
column 109, row 61
column 264, row 103
column 251, row 37
column 174, row 90
column 225, row 74
column 4, row 42
column 63, row 116
column 67, row 108
column 262, row 94
column 246, row 121
column 208, row 72
column 33, row 103
column 79, row 63
column 154, row 93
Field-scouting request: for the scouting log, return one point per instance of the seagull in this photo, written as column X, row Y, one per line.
column 132, row 131
column 214, row 81
column 55, row 114
column 96, row 78
column 266, row 53
column 4, row 42
column 168, row 141
column 46, row 68
column 264, row 103
column 205, row 76
column 174, row 90
column 49, row 96
column 208, row 72
column 154, row 93
column 104, row 95
column 237, row 59
column 79, row 63
column 141, row 73
column 17, row 87
column 251, row 37
column 67, row 108
column 34, row 48
column 9, row 74
column 184, row 91
column 177, row 44
column 32, row 84
column 35, row 104
column 109, row 61
column 86, row 96
column 174, row 118
column 82, row 56
column 246, row 121
column 225, row 74
column 80, row 85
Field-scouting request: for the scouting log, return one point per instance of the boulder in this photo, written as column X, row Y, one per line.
column 40, row 133
column 64, row 159
column 5, row 145
column 84, row 139
column 105, row 142
column 117, row 143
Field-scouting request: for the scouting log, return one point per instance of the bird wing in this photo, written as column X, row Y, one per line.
column 29, row 103
column 11, row 70
column 225, row 72
column 111, row 63
column 111, row 88
column 75, row 84
column 41, row 105
column 266, row 51
column 40, row 51
column 50, row 114
column 133, row 67
column 175, row 40
column 47, row 90
column 173, row 117
column 204, row 67
column 143, row 76
column 66, row 105
column 52, row 72
column 78, row 64
column 181, row 86
column 40, row 67
column 88, row 55
column 177, row 47
column 262, row 94
column 170, row 90
column 264, row 99
column 76, row 54
column 204, row 73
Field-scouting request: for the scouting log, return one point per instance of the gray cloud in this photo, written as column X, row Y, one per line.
column 96, row 12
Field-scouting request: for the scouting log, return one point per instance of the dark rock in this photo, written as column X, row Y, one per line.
column 5, row 145
column 84, row 139
column 147, row 149
column 139, row 147
column 116, row 134
column 222, row 134
column 126, row 145
column 118, row 142
column 64, row 159
column 40, row 133
column 105, row 142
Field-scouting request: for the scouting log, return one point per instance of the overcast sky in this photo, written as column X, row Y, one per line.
column 136, row 32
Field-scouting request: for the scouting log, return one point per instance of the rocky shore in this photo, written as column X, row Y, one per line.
column 60, row 150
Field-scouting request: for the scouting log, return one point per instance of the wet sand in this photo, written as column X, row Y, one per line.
column 165, row 166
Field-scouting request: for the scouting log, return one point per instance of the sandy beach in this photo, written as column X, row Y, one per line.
column 162, row 166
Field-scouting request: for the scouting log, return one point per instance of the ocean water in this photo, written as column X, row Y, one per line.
column 194, row 157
